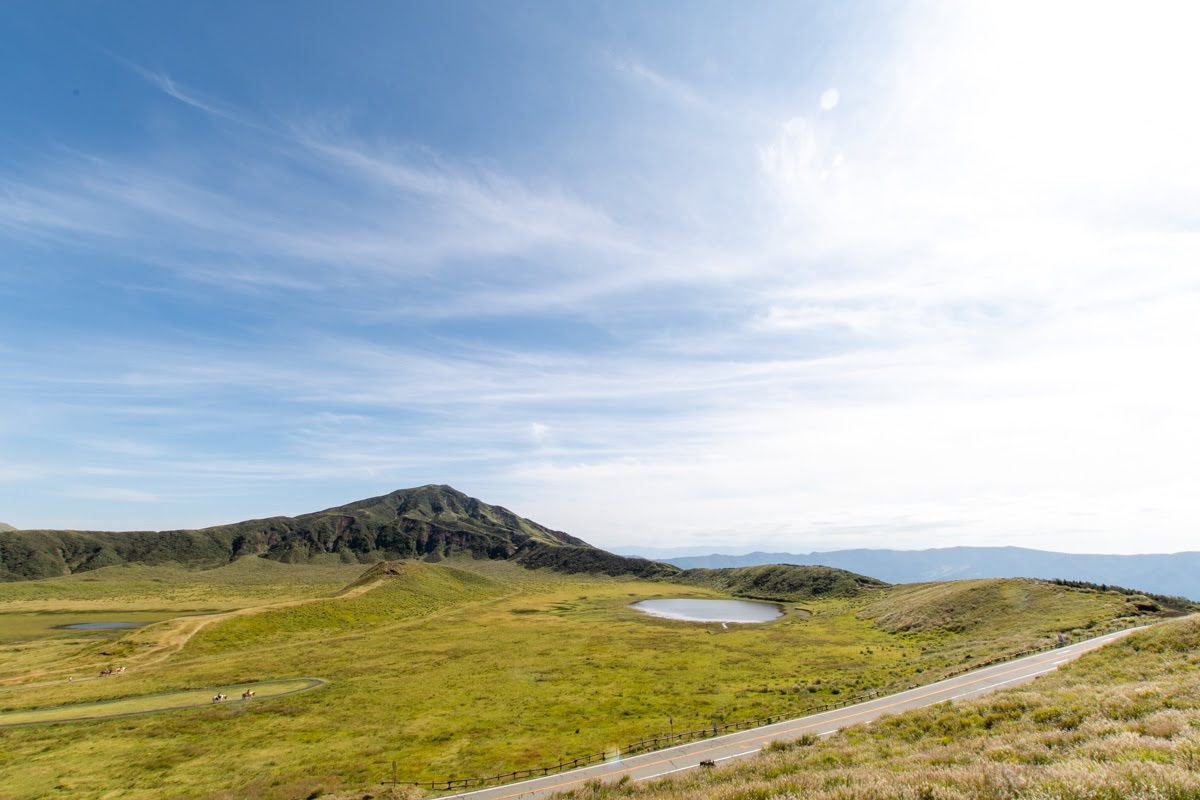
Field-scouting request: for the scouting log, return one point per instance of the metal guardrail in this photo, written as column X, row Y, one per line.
column 660, row 742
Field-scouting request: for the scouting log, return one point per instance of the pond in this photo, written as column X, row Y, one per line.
column 96, row 626
column 691, row 610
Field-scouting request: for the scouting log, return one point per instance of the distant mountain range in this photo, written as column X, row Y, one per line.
column 1169, row 574
column 4, row 526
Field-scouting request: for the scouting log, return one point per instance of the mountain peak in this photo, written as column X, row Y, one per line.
column 440, row 504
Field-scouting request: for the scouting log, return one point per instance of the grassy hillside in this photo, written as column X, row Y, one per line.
column 1122, row 723
column 4, row 526
column 470, row 666
column 1003, row 612
column 429, row 522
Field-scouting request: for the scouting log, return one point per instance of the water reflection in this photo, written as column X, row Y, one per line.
column 692, row 610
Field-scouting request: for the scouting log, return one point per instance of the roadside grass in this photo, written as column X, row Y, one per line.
column 1121, row 723
column 170, row 701
column 471, row 668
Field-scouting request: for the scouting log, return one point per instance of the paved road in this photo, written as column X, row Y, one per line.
column 749, row 742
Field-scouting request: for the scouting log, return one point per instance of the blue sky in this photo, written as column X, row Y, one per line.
column 670, row 274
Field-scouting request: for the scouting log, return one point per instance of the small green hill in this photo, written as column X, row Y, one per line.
column 785, row 582
column 4, row 526
column 427, row 522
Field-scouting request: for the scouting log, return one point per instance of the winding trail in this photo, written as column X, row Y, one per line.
column 184, row 628
column 744, row 744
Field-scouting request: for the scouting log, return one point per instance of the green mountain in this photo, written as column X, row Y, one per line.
column 4, row 526
column 428, row 522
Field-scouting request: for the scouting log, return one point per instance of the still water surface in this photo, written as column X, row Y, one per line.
column 94, row 626
column 710, row 610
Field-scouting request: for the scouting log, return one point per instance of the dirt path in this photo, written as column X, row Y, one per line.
column 172, row 635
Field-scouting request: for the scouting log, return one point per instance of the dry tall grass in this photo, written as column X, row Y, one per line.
column 1122, row 723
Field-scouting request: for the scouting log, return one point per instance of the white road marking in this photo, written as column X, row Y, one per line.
column 989, row 687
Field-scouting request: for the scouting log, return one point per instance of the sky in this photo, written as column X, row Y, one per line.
column 787, row 276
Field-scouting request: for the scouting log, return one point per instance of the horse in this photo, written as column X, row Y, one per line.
column 246, row 695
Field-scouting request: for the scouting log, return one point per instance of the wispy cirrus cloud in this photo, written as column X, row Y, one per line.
column 677, row 90
column 165, row 83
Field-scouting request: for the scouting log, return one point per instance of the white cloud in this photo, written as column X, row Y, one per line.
column 539, row 432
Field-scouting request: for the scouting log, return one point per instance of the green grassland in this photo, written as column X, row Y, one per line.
column 1122, row 723
column 459, row 668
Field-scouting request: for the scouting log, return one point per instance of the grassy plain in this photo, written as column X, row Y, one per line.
column 463, row 668
column 1121, row 723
